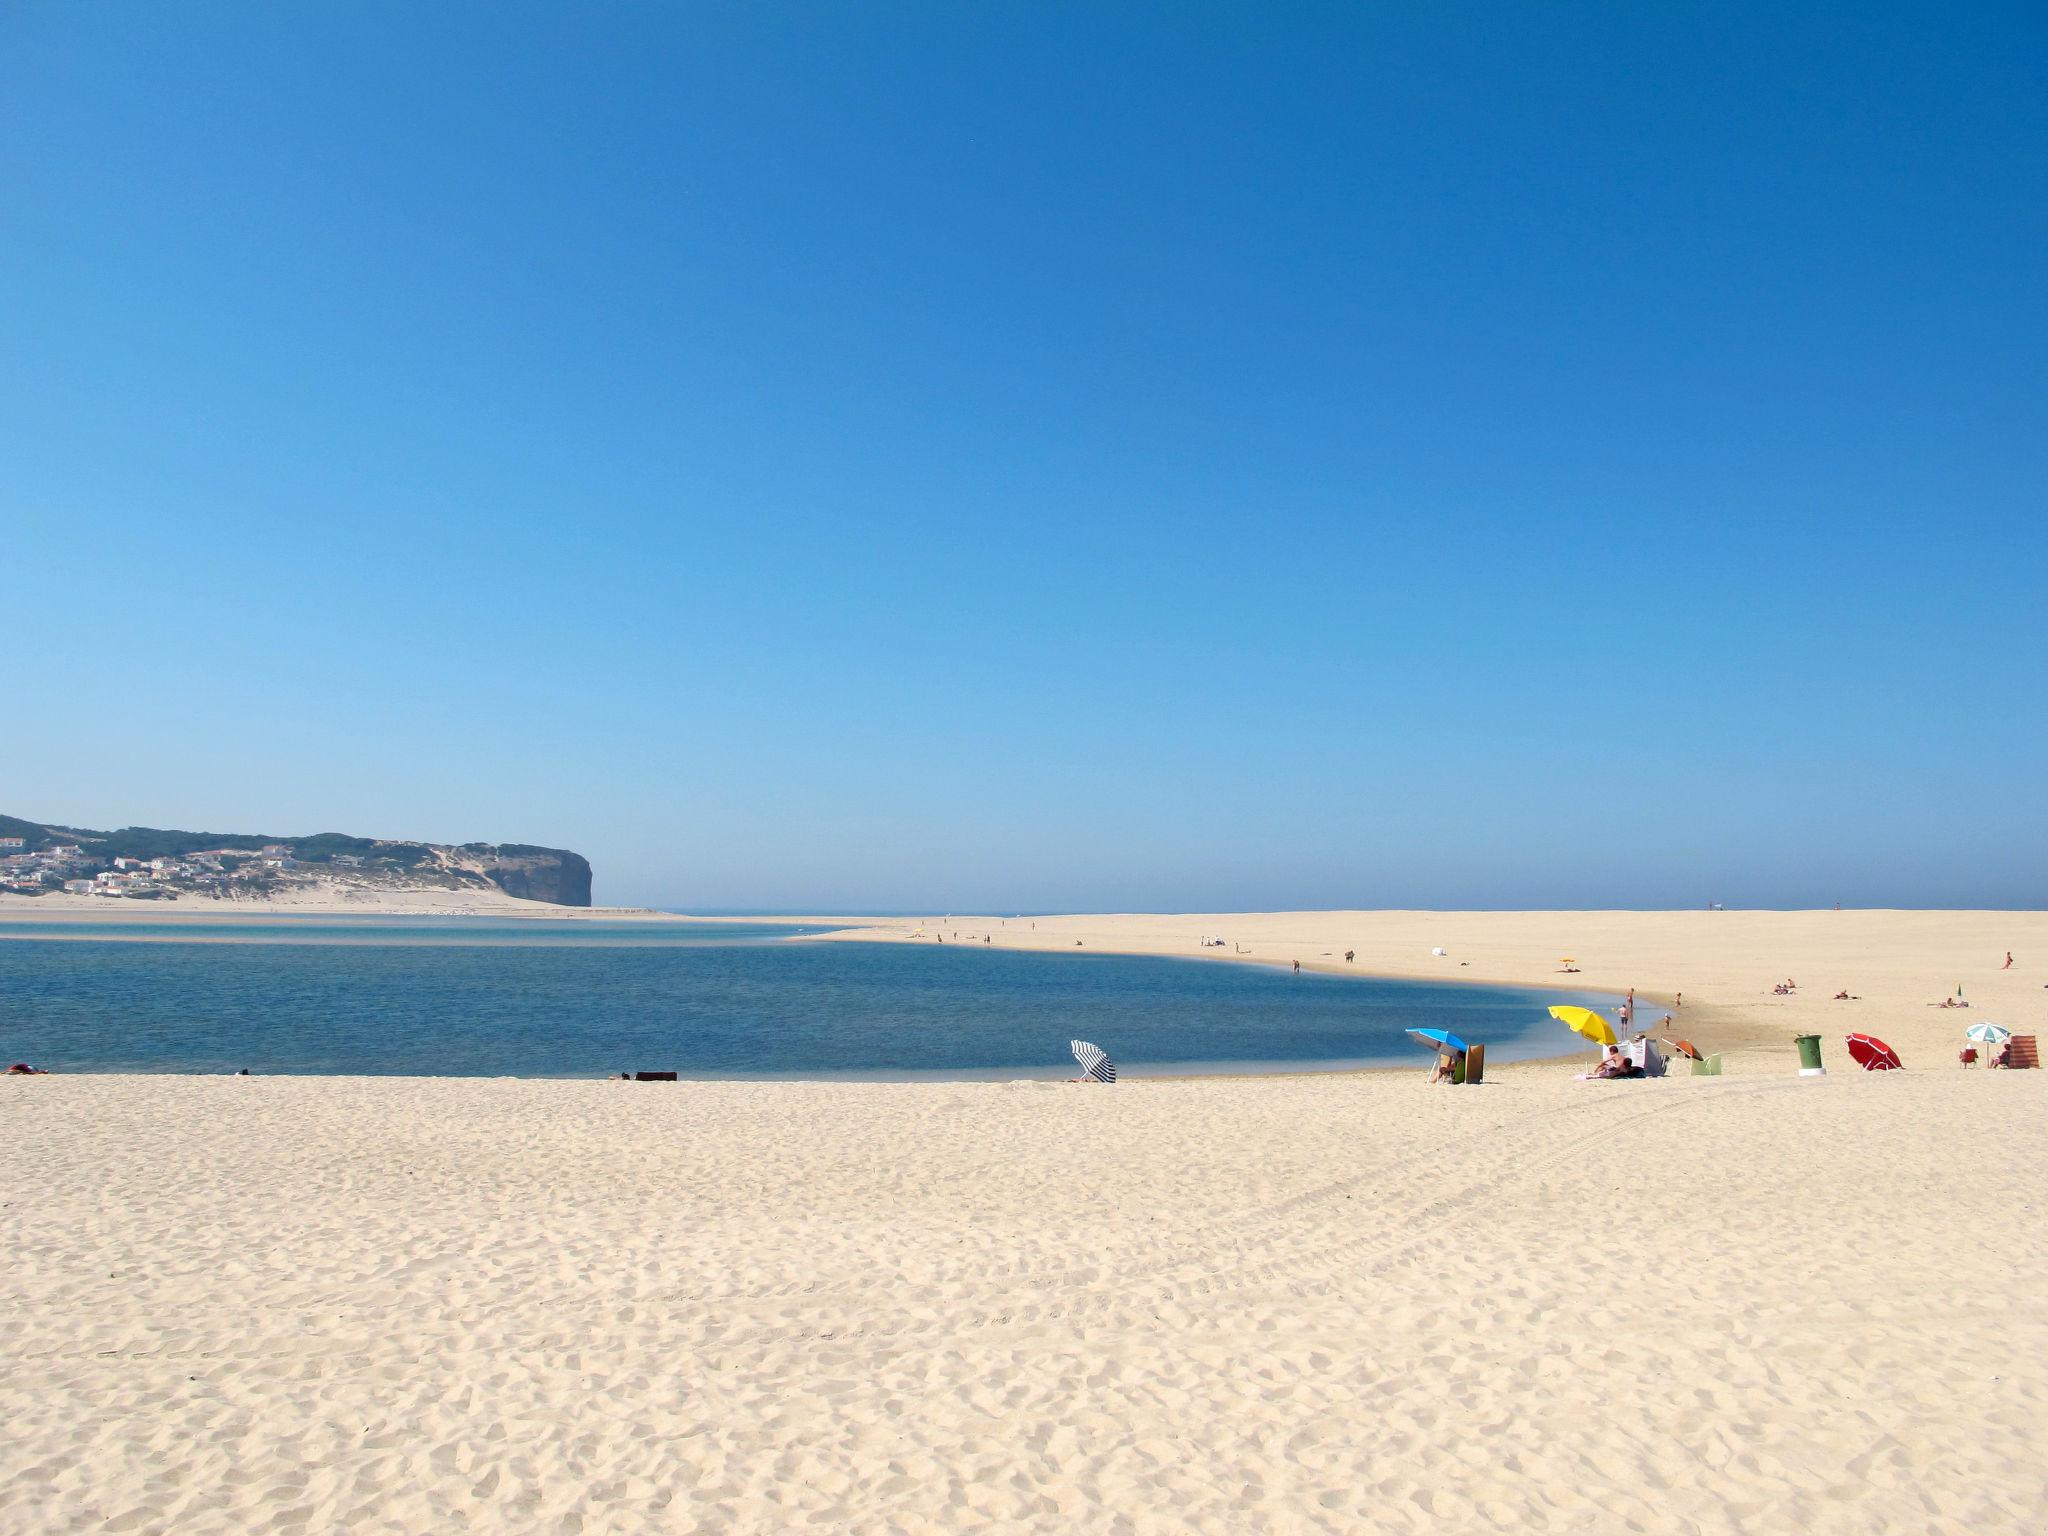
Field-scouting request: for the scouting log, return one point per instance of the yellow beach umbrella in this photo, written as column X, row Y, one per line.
column 1586, row 1022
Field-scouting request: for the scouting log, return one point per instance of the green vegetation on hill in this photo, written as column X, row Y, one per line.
column 519, row 869
column 167, row 843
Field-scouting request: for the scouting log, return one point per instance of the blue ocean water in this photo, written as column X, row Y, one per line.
column 477, row 997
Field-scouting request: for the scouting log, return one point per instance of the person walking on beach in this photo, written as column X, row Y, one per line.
column 2008, row 961
column 1628, row 1011
column 1297, row 967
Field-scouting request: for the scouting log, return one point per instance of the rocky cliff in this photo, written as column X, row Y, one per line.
column 535, row 874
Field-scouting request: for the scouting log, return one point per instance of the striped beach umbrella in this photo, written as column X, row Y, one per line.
column 1094, row 1061
column 1872, row 1054
column 1988, row 1033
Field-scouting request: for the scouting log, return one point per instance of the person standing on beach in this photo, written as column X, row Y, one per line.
column 1628, row 1011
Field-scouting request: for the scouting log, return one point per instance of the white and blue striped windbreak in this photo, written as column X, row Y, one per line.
column 1094, row 1061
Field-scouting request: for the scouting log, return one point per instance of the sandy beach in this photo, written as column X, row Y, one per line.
column 1896, row 966
column 1309, row 1303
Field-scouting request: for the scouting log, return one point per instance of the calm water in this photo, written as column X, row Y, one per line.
column 477, row 997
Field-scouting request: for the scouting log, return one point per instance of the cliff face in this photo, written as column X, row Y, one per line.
column 539, row 874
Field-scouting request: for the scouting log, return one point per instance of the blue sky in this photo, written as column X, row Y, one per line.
column 1041, row 456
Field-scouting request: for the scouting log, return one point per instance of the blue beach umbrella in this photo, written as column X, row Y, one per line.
column 1442, row 1041
column 1988, row 1033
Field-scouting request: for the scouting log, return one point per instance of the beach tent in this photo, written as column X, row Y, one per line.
column 1872, row 1054
column 1585, row 1021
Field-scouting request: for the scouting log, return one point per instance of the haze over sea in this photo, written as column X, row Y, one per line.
column 530, row 998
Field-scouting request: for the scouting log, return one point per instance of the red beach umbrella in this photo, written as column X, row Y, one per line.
column 1872, row 1054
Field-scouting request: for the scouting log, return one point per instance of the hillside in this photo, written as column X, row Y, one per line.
column 156, row 863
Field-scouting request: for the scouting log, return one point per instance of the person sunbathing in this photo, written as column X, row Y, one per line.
column 1842, row 996
column 23, row 1069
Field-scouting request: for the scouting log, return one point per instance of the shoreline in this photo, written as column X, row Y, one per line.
column 1225, row 1302
column 1896, row 963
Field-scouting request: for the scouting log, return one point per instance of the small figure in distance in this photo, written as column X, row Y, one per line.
column 2008, row 961
column 23, row 1069
column 1297, row 967
column 1352, row 954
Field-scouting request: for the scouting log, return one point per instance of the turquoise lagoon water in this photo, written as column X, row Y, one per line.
column 484, row 997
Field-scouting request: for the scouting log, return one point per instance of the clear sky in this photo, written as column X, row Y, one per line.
column 1041, row 456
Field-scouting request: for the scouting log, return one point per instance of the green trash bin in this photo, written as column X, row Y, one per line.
column 1809, row 1056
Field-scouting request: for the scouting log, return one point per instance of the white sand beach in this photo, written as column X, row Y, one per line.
column 1758, row 1303
column 1897, row 966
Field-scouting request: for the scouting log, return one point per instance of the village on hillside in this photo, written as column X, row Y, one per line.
column 217, row 872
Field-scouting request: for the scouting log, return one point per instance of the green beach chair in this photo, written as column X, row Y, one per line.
column 1710, row 1067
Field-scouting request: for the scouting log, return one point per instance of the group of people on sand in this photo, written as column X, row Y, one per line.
column 1614, row 1062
